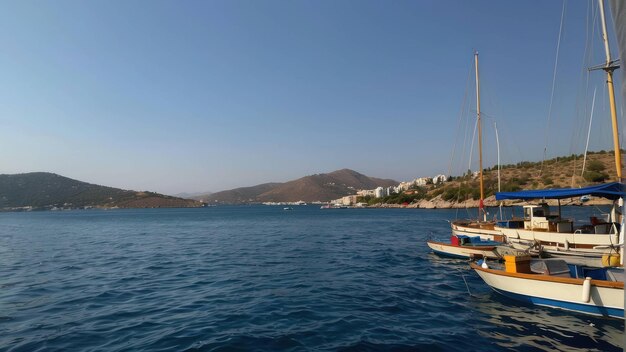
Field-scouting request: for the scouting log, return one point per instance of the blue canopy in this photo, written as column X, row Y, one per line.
column 612, row 190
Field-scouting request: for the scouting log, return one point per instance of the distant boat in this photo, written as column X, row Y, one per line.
column 287, row 208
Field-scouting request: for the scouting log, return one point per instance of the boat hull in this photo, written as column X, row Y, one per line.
column 485, row 231
column 462, row 252
column 566, row 245
column 606, row 298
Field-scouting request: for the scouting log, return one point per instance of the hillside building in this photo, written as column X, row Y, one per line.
column 440, row 179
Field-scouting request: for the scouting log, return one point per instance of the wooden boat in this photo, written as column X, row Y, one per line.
column 554, row 283
column 547, row 231
column 484, row 229
column 462, row 246
column 599, row 241
column 479, row 227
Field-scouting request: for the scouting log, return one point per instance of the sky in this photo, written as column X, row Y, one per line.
column 193, row 96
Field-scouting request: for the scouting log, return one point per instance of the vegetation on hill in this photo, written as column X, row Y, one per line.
column 42, row 190
column 560, row 172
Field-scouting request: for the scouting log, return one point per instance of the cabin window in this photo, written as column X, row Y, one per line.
column 527, row 213
column 538, row 212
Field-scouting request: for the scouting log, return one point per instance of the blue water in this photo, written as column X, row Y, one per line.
column 259, row 278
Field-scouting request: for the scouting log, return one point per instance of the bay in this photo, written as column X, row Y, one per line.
column 260, row 278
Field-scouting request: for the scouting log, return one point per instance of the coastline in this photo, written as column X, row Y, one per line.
column 439, row 203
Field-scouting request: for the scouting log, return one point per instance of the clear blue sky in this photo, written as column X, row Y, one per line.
column 185, row 96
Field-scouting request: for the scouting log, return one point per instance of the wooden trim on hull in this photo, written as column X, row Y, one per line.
column 463, row 251
column 540, row 277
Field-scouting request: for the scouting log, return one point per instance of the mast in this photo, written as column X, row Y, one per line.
column 480, row 143
column 609, row 67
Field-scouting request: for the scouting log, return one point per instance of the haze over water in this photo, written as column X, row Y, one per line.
column 259, row 278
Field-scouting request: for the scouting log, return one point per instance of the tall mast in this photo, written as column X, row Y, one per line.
column 609, row 67
column 480, row 142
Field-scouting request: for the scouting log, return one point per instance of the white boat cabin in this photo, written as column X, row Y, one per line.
column 539, row 218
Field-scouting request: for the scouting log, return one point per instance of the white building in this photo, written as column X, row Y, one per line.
column 347, row 200
column 439, row 179
column 379, row 192
column 422, row 181
column 403, row 186
column 366, row 193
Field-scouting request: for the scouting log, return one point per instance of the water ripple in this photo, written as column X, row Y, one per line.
column 256, row 278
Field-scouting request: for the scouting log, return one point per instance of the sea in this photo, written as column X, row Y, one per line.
column 261, row 278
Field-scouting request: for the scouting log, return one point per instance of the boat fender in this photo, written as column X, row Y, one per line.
column 484, row 265
column 566, row 245
column 586, row 290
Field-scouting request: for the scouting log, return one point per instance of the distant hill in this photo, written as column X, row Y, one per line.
column 42, row 190
column 319, row 187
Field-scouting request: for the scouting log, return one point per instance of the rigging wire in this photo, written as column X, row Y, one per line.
column 469, row 166
column 556, row 61
column 583, row 94
column 463, row 116
column 593, row 103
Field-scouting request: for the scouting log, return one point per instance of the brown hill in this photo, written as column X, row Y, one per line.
column 319, row 187
column 237, row 195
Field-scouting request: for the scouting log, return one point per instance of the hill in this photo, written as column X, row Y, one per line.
column 42, row 190
column 237, row 195
column 319, row 187
column 560, row 172
column 464, row 191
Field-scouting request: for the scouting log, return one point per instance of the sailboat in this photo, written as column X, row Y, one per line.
column 555, row 282
column 597, row 243
column 471, row 239
column 481, row 228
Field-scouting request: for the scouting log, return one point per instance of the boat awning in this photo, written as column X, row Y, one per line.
column 612, row 190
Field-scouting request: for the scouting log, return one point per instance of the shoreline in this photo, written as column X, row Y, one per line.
column 438, row 203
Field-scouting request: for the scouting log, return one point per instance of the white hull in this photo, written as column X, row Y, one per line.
column 605, row 298
column 483, row 233
column 562, row 243
column 462, row 251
